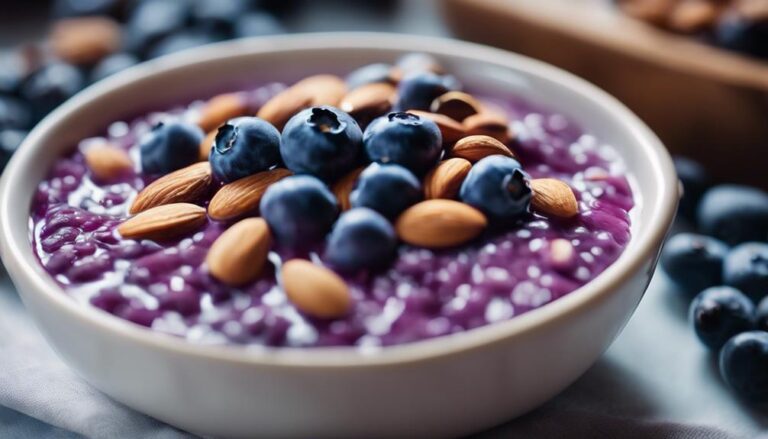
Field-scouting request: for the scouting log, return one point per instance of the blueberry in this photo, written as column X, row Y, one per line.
column 51, row 86
column 113, row 64
column 418, row 62
column 744, row 364
column 186, row 39
column 387, row 189
column 14, row 113
column 361, row 239
column 417, row 90
column 322, row 141
column 694, row 262
column 746, row 268
column 761, row 315
column 734, row 213
column 498, row 186
column 220, row 16
column 369, row 74
column 13, row 72
column 404, row 139
column 256, row 24
column 299, row 209
column 719, row 313
column 695, row 182
column 743, row 34
column 152, row 20
column 79, row 8
column 170, row 146
column 244, row 146
column 10, row 139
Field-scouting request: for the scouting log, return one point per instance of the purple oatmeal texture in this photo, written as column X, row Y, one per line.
column 424, row 294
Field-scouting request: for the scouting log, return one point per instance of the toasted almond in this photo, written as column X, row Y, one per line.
column 219, row 109
column 553, row 197
column 207, row 144
column 490, row 124
column 162, row 222
column 283, row 106
column 315, row 290
column 85, row 40
column 369, row 101
column 243, row 196
column 343, row 187
column 474, row 148
column 239, row 254
column 324, row 89
column 440, row 224
column 107, row 162
column 181, row 186
column 445, row 179
column 456, row 104
column 450, row 129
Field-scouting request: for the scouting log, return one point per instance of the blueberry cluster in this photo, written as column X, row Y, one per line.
column 726, row 266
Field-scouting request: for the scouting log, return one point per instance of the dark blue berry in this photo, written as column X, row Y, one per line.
column 369, row 74
column 746, row 268
column 170, row 146
column 744, row 364
column 14, row 113
column 10, row 139
column 244, row 146
column 695, row 182
column 694, row 262
column 299, row 209
column 719, row 313
column 113, row 64
column 152, row 20
column 218, row 16
column 498, row 186
column 417, row 90
column 361, row 239
column 404, row 139
column 79, row 8
column 256, row 24
column 734, row 213
column 761, row 315
column 743, row 34
column 387, row 189
column 13, row 72
column 418, row 62
column 186, row 39
column 51, row 86
column 322, row 141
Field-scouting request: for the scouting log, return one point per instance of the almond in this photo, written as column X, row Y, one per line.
column 692, row 16
column 243, row 196
column 219, row 109
column 450, row 129
column 440, row 224
column 162, row 222
column 239, row 254
column 444, row 181
column 85, row 40
column 490, row 124
column 182, row 186
column 343, row 187
column 207, row 144
column 312, row 91
column 474, row 148
column 315, row 290
column 456, row 104
column 107, row 162
column 369, row 101
column 324, row 89
column 553, row 197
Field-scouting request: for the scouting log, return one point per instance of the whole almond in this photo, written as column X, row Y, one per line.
column 107, row 162
column 163, row 222
column 450, row 129
column 440, row 224
column 474, row 148
column 315, row 290
column 85, row 40
column 369, row 101
column 343, row 187
column 243, row 196
column 311, row 91
column 239, row 254
column 219, row 109
column 553, row 197
column 488, row 124
column 181, row 186
column 456, row 104
column 324, row 89
column 444, row 180
column 206, row 145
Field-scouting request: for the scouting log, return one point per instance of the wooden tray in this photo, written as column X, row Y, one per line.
column 704, row 102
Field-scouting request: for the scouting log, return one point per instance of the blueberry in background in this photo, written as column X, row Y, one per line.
column 152, row 20
column 387, row 189
column 694, row 262
column 183, row 40
column 10, row 139
column 417, row 90
column 323, row 141
column 743, row 34
column 244, row 146
column 218, row 17
column 734, row 213
column 299, row 209
column 80, row 8
column 404, row 139
column 13, row 72
column 50, row 86
column 14, row 113
column 256, row 24
column 369, row 74
column 746, row 268
column 695, row 180
column 112, row 64
column 498, row 186
column 361, row 239
column 719, row 313
column 744, row 364
column 170, row 146
column 418, row 62
column 761, row 315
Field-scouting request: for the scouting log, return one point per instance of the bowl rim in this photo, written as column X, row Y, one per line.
column 21, row 263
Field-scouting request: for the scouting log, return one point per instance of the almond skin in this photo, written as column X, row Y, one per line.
column 369, row 101
column 343, row 187
column 444, row 181
column 163, row 222
column 243, row 196
column 107, row 162
column 239, row 254
column 315, row 290
column 311, row 91
column 488, row 124
column 440, row 224
column 219, row 109
column 181, row 186
column 553, row 197
column 207, row 144
column 85, row 40
column 324, row 89
column 474, row 148
column 450, row 129
column 456, row 104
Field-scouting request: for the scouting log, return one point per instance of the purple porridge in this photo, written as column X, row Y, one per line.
column 422, row 292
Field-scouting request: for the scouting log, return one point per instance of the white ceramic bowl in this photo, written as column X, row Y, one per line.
column 441, row 387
